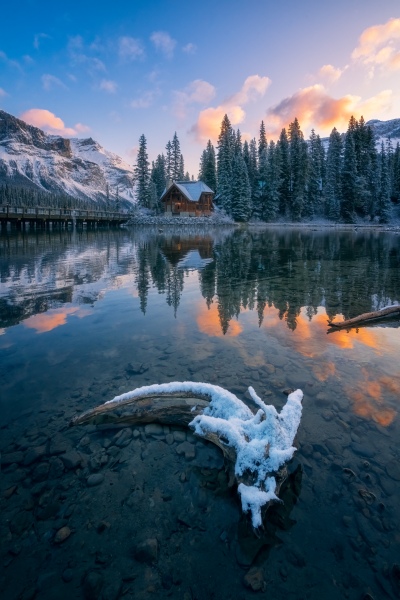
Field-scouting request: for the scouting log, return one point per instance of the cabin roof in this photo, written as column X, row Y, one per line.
column 192, row 190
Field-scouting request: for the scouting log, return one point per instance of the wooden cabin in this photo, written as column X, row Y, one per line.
column 187, row 199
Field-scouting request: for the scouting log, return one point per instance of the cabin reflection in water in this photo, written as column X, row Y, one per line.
column 188, row 252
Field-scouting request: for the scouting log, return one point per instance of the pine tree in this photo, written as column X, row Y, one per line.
column 240, row 190
column 383, row 196
column 396, row 174
column 250, row 158
column 298, row 170
column 261, row 194
column 333, row 175
column 262, row 140
column 224, row 164
column 208, row 172
column 142, row 174
column 158, row 175
column 314, row 179
column 177, row 168
column 181, row 169
column 349, row 177
column 273, row 181
column 285, row 185
column 168, row 161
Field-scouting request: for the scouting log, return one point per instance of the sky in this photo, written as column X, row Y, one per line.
column 115, row 71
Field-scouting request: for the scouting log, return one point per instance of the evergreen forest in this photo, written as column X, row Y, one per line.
column 344, row 179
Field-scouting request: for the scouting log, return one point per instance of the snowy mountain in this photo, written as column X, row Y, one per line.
column 78, row 167
column 384, row 130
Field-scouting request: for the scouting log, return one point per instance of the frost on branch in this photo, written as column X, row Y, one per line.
column 261, row 442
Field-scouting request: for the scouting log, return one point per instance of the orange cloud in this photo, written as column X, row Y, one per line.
column 379, row 45
column 44, row 119
column 315, row 108
column 368, row 398
column 208, row 322
column 54, row 318
column 209, row 120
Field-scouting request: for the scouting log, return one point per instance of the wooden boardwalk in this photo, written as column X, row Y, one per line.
column 43, row 217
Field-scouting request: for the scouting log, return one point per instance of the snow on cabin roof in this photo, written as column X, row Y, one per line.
column 191, row 189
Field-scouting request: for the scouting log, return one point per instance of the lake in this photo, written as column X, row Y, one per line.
column 146, row 512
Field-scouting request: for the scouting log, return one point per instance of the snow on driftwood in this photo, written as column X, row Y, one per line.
column 263, row 442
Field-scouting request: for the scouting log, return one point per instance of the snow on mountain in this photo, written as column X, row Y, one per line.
column 384, row 130
column 79, row 167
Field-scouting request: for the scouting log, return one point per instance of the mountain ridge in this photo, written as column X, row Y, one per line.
column 80, row 168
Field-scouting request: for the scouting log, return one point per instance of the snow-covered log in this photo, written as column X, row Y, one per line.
column 256, row 445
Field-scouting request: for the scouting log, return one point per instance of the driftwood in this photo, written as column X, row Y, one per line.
column 364, row 318
column 176, row 409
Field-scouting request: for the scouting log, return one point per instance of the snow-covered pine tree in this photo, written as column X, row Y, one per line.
column 273, row 180
column 284, row 161
column 298, row 170
column 238, row 148
column 313, row 197
column 334, row 159
column 224, row 164
column 262, row 140
column 142, row 173
column 240, row 190
column 349, row 176
column 158, row 174
column 208, row 171
column 168, row 161
column 261, row 194
column 153, row 196
column 384, row 193
column 176, row 160
column 396, row 174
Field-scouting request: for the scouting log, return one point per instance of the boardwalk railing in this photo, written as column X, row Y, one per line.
column 59, row 214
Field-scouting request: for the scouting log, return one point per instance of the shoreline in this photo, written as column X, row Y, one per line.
column 210, row 222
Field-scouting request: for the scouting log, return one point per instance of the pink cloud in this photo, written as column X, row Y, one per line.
column 379, row 46
column 44, row 119
column 209, row 120
column 197, row 92
column 315, row 108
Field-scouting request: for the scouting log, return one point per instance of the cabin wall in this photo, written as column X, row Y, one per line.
column 175, row 204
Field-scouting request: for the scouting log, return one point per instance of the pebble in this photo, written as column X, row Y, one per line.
column 334, row 447
column 71, row 459
column 154, row 429
column 68, row 575
column 62, row 535
column 147, row 551
column 254, row 580
column 95, row 479
column 9, row 492
column 58, row 445
column 92, row 584
column 189, row 450
column 179, row 435
column 33, row 454
column 123, row 438
column 11, row 458
column 393, row 469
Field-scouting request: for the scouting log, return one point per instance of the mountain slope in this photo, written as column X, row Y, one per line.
column 81, row 168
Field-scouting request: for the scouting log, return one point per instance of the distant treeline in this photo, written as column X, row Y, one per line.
column 20, row 196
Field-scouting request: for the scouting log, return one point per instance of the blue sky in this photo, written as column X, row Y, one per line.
column 113, row 71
